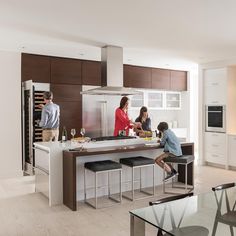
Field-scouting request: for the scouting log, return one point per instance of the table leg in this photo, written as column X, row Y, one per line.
column 137, row 226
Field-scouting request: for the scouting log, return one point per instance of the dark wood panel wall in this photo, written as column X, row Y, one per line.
column 137, row 77
column 154, row 78
column 36, row 68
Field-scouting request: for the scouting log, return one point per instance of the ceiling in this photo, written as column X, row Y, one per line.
column 163, row 33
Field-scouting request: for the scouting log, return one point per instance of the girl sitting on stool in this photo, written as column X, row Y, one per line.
column 171, row 146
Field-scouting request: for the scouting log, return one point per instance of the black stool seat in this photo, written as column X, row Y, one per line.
column 96, row 166
column 137, row 161
column 185, row 159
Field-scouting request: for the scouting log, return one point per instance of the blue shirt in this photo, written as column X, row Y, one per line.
column 50, row 116
column 171, row 143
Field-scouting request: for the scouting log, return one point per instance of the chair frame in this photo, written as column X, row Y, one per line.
column 140, row 188
column 169, row 199
column 219, row 218
column 186, row 187
column 96, row 173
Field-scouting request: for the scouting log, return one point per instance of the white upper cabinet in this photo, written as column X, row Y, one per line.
column 137, row 101
column 155, row 100
column 215, row 86
column 173, row 100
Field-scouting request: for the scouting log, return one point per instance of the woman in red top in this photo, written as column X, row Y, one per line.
column 122, row 121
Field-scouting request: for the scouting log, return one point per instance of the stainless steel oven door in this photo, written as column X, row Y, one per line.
column 215, row 119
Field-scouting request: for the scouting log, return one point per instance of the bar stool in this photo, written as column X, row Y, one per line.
column 98, row 167
column 182, row 160
column 135, row 163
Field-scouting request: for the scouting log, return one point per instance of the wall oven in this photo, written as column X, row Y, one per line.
column 215, row 118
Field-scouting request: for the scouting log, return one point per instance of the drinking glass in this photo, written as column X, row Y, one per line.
column 82, row 132
column 73, row 132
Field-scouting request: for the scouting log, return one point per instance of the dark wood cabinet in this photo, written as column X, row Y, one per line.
column 66, row 92
column 91, row 73
column 70, row 116
column 178, row 80
column 35, row 68
column 137, row 77
column 154, row 78
column 69, row 99
column 65, row 71
column 160, row 79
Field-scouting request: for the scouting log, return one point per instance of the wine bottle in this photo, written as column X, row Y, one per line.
column 64, row 134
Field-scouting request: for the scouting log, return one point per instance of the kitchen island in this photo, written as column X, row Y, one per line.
column 66, row 164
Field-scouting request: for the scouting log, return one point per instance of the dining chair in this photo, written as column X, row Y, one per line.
column 176, row 229
column 228, row 218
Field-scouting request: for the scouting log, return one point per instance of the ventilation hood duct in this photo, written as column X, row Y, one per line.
column 112, row 74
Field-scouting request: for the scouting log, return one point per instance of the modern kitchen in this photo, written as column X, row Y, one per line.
column 98, row 176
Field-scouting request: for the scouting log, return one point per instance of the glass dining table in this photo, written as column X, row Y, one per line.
column 205, row 214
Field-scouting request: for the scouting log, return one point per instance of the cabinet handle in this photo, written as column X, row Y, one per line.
column 214, row 84
column 215, row 135
column 215, row 145
column 215, row 102
column 214, row 155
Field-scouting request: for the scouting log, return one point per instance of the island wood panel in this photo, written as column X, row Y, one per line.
column 35, row 68
column 178, row 80
column 65, row 71
column 69, row 181
column 137, row 77
column 91, row 73
column 160, row 79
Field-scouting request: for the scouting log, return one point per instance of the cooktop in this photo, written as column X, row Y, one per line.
column 112, row 138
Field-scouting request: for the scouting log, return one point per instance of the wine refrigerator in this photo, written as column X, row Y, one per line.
column 32, row 96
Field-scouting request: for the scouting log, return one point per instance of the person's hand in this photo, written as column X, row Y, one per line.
column 41, row 106
column 138, row 124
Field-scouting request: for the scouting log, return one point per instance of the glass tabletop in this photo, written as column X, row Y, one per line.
column 205, row 214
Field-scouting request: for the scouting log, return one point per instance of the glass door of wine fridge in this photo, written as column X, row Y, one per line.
column 32, row 96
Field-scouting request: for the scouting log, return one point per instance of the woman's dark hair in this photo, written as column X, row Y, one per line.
column 162, row 126
column 123, row 101
column 142, row 110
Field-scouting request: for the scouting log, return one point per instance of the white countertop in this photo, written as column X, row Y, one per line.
column 70, row 144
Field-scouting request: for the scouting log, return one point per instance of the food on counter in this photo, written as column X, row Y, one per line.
column 145, row 134
column 82, row 139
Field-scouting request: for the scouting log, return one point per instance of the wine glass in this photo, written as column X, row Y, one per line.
column 82, row 132
column 73, row 132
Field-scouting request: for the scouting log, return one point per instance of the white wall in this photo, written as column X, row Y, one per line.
column 10, row 118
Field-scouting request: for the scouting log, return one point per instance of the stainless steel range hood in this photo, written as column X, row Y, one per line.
column 112, row 74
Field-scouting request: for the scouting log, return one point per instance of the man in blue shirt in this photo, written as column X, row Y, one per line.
column 49, row 118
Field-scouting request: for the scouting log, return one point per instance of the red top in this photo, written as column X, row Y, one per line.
column 122, row 122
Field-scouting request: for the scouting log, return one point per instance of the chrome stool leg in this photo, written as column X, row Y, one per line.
column 132, row 184
column 96, row 201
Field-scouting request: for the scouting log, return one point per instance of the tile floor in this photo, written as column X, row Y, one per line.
column 23, row 212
